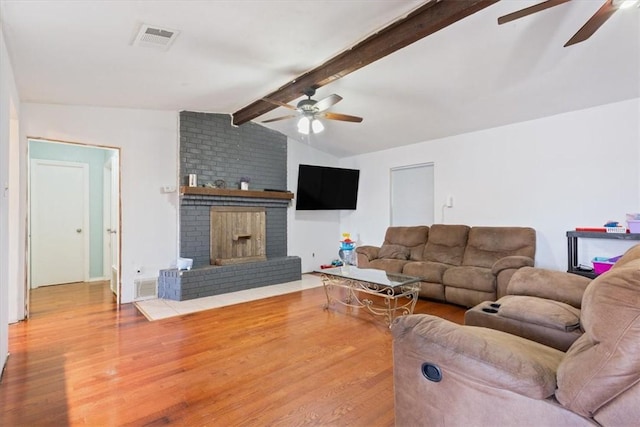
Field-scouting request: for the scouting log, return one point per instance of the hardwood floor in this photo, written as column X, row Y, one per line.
column 280, row 361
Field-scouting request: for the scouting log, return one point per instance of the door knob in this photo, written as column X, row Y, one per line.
column 78, row 230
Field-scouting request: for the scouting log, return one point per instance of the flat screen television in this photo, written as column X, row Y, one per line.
column 326, row 188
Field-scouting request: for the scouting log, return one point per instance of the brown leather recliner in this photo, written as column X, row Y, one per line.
column 447, row 374
column 541, row 305
column 444, row 249
column 492, row 256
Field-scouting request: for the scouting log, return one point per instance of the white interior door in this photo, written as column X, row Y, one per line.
column 59, row 222
column 412, row 195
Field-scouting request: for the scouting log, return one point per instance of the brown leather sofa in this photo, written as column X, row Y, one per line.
column 541, row 305
column 447, row 374
column 458, row 264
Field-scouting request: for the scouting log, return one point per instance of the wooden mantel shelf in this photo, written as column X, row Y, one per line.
column 258, row 194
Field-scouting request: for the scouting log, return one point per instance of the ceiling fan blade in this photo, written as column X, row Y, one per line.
column 327, row 102
column 341, row 117
column 592, row 25
column 281, row 104
column 290, row 116
column 529, row 10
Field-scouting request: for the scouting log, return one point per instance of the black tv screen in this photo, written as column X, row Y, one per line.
column 321, row 187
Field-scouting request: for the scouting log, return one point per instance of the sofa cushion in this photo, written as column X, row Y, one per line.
column 388, row 265
column 540, row 311
column 486, row 245
column 425, row 270
column 446, row 243
column 511, row 262
column 414, row 238
column 604, row 362
column 468, row 277
column 390, row 251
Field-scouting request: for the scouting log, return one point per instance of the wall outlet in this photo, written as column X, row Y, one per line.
column 449, row 202
column 168, row 189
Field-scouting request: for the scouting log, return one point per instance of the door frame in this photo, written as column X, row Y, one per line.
column 106, row 209
column 85, row 211
column 118, row 261
column 111, row 207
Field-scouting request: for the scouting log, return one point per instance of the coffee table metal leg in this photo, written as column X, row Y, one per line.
column 390, row 309
column 326, row 284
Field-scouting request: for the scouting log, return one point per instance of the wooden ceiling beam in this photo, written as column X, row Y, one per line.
column 432, row 16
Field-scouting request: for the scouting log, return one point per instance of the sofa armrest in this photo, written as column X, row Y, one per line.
column 550, row 284
column 512, row 261
column 371, row 252
column 480, row 355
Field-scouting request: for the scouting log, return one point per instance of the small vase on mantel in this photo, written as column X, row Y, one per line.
column 244, row 183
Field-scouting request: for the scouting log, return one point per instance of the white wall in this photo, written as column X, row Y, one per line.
column 553, row 174
column 314, row 236
column 149, row 160
column 10, row 273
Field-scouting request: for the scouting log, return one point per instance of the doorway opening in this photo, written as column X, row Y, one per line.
column 73, row 215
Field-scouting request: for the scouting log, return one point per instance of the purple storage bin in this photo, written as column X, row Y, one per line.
column 602, row 264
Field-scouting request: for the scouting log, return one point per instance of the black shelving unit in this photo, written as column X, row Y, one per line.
column 572, row 247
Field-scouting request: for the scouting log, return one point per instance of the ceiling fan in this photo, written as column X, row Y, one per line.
column 588, row 29
column 310, row 110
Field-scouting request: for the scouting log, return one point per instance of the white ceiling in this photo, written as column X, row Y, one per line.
column 472, row 75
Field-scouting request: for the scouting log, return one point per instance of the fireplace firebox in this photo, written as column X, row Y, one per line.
column 238, row 235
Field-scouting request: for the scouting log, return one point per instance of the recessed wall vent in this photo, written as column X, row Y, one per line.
column 146, row 288
column 156, row 37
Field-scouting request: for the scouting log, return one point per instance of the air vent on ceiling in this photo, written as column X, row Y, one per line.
column 159, row 38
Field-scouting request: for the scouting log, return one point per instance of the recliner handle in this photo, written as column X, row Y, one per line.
column 431, row 372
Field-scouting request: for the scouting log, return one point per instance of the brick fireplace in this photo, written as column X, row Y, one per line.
column 217, row 152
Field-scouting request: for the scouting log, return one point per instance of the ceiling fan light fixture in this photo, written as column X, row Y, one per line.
column 303, row 125
column 317, row 126
column 308, row 111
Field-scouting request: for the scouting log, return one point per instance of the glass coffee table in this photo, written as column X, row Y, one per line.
column 398, row 292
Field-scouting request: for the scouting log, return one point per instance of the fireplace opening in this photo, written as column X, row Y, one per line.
column 237, row 234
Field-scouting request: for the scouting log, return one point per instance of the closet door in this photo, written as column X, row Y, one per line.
column 412, row 195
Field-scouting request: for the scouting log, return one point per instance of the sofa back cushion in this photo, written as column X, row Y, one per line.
column 605, row 361
column 553, row 285
column 446, row 243
column 412, row 238
column 486, row 245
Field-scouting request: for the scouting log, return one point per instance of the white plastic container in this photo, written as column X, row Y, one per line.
column 185, row 263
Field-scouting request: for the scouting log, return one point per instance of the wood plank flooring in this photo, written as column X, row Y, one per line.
column 280, row 361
